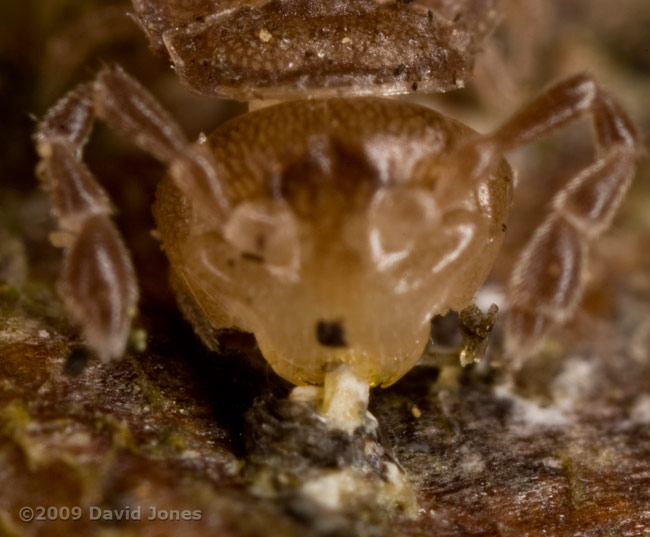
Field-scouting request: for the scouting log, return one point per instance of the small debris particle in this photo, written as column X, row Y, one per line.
column 320, row 54
column 417, row 413
column 414, row 86
column 475, row 327
column 265, row 35
column 504, row 228
column 43, row 334
column 346, row 40
column 400, row 69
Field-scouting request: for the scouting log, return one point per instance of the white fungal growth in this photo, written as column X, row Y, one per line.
column 337, row 489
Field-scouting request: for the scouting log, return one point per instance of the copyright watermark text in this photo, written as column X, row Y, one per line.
column 93, row 512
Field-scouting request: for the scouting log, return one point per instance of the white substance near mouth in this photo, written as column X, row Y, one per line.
column 306, row 394
column 343, row 404
column 345, row 399
column 336, row 489
column 330, row 489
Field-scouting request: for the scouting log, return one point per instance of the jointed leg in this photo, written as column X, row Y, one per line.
column 547, row 281
column 98, row 281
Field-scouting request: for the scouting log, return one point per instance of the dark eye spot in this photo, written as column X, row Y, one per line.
column 77, row 361
column 331, row 333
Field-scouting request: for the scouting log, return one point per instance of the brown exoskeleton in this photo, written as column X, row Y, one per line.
column 332, row 226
